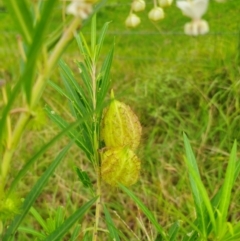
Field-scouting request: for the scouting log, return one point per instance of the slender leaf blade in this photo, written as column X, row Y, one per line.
column 64, row 228
column 145, row 210
column 22, row 17
column 36, row 46
column 197, row 195
column 173, row 231
column 227, row 188
column 34, row 193
column 110, row 224
column 26, row 167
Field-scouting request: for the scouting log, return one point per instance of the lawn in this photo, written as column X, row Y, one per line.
column 174, row 83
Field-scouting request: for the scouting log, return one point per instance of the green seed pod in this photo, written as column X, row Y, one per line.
column 119, row 165
column 120, row 126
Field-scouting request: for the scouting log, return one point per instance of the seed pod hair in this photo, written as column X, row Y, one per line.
column 119, row 165
column 120, row 126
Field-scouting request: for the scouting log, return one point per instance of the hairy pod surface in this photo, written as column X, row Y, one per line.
column 120, row 165
column 120, row 126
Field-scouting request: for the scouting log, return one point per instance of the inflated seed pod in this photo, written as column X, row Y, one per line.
column 120, row 126
column 119, row 165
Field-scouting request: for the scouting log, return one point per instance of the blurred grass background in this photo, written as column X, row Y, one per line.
column 174, row 83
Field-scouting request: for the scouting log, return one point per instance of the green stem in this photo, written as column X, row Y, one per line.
column 4, row 168
column 98, row 205
column 37, row 91
column 41, row 82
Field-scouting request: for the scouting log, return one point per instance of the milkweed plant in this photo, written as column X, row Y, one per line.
column 105, row 129
column 194, row 9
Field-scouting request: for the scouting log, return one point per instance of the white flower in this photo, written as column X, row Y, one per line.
column 196, row 27
column 165, row 3
column 132, row 20
column 80, row 8
column 194, row 9
column 156, row 14
column 138, row 5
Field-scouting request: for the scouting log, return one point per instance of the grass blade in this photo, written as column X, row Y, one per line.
column 26, row 167
column 34, row 193
column 206, row 204
column 75, row 233
column 173, row 231
column 101, row 39
column 227, row 189
column 32, row 232
column 110, row 224
column 39, row 218
column 103, row 82
column 36, row 46
column 197, row 195
column 73, row 134
column 64, row 228
column 22, row 18
column 145, row 210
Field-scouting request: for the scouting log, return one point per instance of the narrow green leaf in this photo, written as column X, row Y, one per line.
column 51, row 225
column 103, row 82
column 110, row 225
column 59, row 217
column 22, row 17
column 227, row 189
column 38, row 218
column 204, row 196
column 75, row 233
column 76, row 94
column 93, row 34
column 145, row 210
column 84, row 178
column 32, row 232
column 87, row 236
column 101, row 39
column 64, row 228
column 7, row 108
column 34, row 193
column 36, row 47
column 84, row 50
column 28, row 164
column 86, row 78
column 159, row 238
column 78, row 137
column 197, row 195
column 173, row 231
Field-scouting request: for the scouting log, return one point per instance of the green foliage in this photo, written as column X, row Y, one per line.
column 211, row 222
column 146, row 211
column 84, row 178
column 177, row 84
column 113, row 232
column 34, row 193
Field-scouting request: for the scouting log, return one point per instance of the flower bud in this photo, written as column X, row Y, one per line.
column 156, row 14
column 119, row 165
column 80, row 8
column 120, row 126
column 138, row 5
column 196, row 27
column 165, row 3
column 132, row 21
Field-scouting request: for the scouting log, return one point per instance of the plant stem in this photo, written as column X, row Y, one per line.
column 37, row 91
column 98, row 205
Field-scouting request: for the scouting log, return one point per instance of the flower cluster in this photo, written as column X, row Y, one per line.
column 155, row 14
column 194, row 9
column 121, row 133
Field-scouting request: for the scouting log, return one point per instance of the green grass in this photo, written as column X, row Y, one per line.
column 175, row 83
